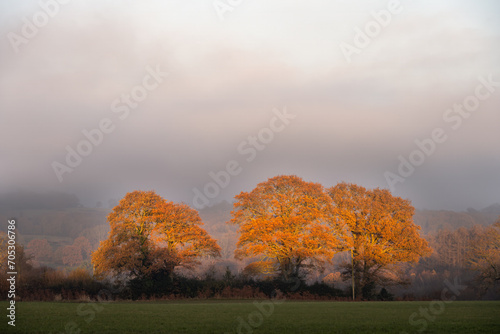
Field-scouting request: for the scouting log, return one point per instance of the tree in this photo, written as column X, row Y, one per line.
column 22, row 264
column 285, row 222
column 452, row 248
column 95, row 234
column 484, row 255
column 71, row 255
column 149, row 236
column 39, row 249
column 83, row 244
column 382, row 235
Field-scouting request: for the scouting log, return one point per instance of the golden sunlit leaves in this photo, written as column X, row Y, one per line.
column 291, row 222
column 149, row 234
column 484, row 253
column 382, row 232
column 287, row 221
column 286, row 225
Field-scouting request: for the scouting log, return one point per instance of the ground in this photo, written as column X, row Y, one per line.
column 223, row 317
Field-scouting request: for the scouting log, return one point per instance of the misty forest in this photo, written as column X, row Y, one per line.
column 287, row 236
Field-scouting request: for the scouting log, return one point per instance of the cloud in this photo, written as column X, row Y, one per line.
column 225, row 78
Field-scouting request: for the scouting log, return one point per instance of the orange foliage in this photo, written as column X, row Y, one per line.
column 382, row 231
column 149, row 234
column 484, row 254
column 286, row 222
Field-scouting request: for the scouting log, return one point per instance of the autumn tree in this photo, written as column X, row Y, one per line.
column 382, row 235
column 484, row 255
column 452, row 248
column 71, row 255
column 39, row 249
column 149, row 236
column 83, row 245
column 285, row 223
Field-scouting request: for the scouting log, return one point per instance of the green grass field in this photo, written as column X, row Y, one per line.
column 227, row 317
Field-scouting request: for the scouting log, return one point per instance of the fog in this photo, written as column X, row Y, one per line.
column 169, row 93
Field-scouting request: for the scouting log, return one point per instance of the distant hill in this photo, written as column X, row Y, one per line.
column 29, row 200
column 432, row 221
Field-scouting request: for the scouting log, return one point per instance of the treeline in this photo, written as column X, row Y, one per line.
column 453, row 258
column 60, row 224
column 77, row 254
column 41, row 283
column 288, row 229
column 48, row 284
column 285, row 230
column 471, row 255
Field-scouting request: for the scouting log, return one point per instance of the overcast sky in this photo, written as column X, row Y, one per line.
column 351, row 106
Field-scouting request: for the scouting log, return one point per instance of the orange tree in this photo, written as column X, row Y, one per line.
column 285, row 224
column 484, row 255
column 150, row 236
column 382, row 235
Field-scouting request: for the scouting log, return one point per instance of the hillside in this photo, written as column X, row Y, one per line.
column 432, row 221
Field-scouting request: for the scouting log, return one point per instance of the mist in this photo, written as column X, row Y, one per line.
column 171, row 93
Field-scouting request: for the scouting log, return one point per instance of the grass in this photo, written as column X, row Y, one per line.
column 227, row 316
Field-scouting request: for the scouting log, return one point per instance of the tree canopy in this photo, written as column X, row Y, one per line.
column 382, row 234
column 484, row 254
column 285, row 223
column 150, row 235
